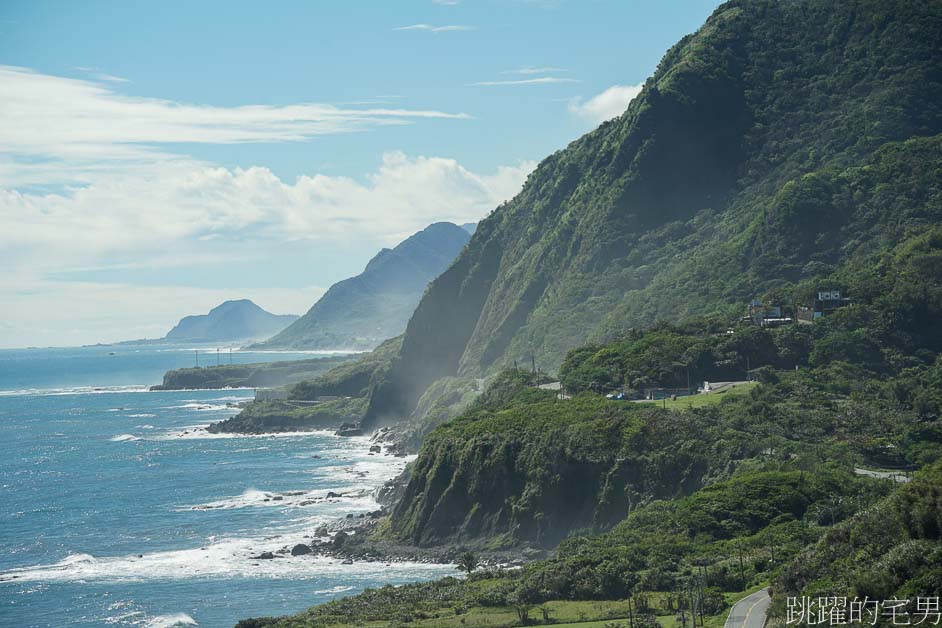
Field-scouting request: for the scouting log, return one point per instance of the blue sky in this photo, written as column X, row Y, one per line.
column 156, row 158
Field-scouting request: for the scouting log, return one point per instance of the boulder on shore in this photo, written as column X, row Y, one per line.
column 301, row 549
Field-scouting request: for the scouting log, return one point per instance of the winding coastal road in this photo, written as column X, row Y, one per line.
column 749, row 612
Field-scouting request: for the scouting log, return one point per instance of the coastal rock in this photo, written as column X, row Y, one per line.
column 349, row 431
column 264, row 556
column 301, row 549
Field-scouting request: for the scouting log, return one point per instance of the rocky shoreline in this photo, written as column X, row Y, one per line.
column 352, row 538
column 349, row 541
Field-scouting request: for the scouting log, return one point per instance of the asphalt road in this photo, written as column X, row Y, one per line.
column 749, row 612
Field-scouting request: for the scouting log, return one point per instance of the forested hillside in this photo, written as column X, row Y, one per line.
column 775, row 145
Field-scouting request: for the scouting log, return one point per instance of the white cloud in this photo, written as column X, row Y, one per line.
column 528, row 70
column 83, row 187
column 144, row 212
column 543, row 80
column 186, row 214
column 434, row 29
column 609, row 104
column 86, row 125
column 448, row 3
column 98, row 75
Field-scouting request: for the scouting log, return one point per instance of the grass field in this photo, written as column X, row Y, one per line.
column 561, row 614
column 698, row 401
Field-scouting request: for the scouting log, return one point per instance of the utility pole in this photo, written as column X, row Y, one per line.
column 693, row 606
column 631, row 619
column 772, row 547
column 197, row 358
column 702, row 583
column 217, row 356
column 230, row 356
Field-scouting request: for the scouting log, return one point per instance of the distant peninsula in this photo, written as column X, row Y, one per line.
column 233, row 320
column 361, row 312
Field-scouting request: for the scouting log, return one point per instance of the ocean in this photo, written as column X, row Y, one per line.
column 118, row 509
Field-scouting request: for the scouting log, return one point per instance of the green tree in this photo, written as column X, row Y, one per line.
column 467, row 562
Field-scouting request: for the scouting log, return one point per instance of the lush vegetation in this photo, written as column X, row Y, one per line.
column 352, row 378
column 808, row 138
column 651, row 502
column 807, row 135
column 522, row 465
column 890, row 551
column 724, row 538
column 348, row 381
column 263, row 417
column 263, row 374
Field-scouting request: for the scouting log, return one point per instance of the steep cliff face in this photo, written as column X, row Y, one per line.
column 530, row 469
column 747, row 160
column 361, row 312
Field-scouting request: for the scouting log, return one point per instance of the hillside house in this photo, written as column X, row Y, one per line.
column 765, row 315
column 826, row 302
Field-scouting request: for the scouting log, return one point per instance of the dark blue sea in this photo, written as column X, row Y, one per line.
column 117, row 508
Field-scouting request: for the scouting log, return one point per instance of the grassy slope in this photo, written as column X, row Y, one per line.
column 698, row 401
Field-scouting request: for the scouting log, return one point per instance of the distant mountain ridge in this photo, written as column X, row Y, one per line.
column 362, row 311
column 233, row 320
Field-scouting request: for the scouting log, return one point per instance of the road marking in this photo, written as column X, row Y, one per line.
column 746, row 618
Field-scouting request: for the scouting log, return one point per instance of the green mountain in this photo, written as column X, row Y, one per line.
column 776, row 144
column 232, row 320
column 787, row 147
column 362, row 311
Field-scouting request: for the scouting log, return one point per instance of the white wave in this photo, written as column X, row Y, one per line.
column 123, row 438
column 354, row 499
column 170, row 621
column 337, row 589
column 233, row 398
column 204, row 406
column 143, row 415
column 200, row 432
column 226, row 558
column 145, row 427
column 74, row 390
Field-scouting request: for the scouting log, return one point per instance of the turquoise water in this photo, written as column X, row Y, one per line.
column 118, row 509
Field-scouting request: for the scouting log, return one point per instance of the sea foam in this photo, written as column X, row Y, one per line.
column 170, row 621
